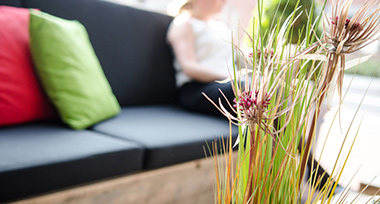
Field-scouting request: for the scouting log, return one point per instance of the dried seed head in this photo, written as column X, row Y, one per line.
column 267, row 53
column 351, row 34
column 251, row 104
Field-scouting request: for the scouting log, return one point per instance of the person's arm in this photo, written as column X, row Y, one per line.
column 181, row 38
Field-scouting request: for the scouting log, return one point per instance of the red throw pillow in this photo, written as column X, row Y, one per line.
column 21, row 96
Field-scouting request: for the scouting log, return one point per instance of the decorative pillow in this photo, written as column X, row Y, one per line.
column 21, row 96
column 70, row 71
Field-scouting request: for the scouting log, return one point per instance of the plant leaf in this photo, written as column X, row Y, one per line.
column 240, row 73
column 238, row 138
column 314, row 57
column 357, row 61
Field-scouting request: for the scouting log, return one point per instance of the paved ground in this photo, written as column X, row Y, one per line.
column 365, row 156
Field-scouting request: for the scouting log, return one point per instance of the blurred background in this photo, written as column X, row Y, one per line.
column 364, row 161
column 239, row 12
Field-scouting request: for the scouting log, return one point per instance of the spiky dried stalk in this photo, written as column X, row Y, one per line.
column 263, row 85
column 252, row 110
column 348, row 35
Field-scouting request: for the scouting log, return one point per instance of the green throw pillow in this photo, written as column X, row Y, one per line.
column 70, row 71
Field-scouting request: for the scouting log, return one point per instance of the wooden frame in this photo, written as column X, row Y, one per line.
column 186, row 183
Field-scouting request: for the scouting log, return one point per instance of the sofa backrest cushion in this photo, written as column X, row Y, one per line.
column 16, row 3
column 21, row 96
column 70, row 71
column 130, row 44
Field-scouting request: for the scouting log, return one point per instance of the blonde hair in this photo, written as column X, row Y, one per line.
column 186, row 7
column 179, row 6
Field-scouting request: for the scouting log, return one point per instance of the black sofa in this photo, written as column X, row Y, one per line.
column 150, row 132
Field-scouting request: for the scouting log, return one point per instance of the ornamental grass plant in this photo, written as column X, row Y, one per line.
column 278, row 98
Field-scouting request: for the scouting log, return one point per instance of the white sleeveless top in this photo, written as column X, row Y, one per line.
column 213, row 48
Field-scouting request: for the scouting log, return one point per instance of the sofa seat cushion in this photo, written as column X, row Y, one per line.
column 169, row 134
column 42, row 157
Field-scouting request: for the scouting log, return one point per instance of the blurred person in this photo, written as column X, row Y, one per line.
column 203, row 55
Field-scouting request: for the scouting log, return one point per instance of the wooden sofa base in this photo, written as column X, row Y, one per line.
column 186, row 183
